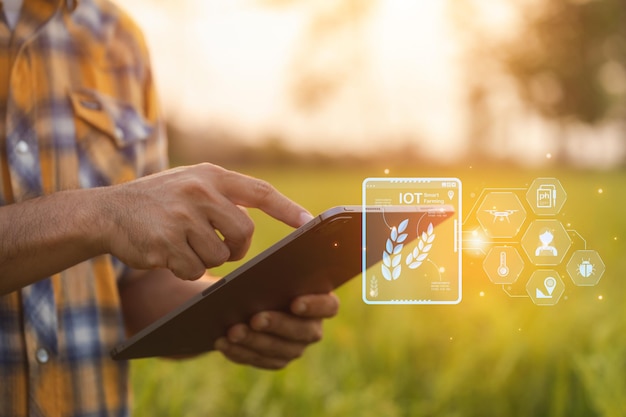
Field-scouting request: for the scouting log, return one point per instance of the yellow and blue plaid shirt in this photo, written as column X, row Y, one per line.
column 77, row 110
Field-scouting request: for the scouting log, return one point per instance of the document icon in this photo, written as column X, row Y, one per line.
column 546, row 196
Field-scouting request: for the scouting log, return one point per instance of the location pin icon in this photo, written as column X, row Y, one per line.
column 550, row 284
column 450, row 194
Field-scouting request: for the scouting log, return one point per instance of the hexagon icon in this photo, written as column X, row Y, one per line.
column 546, row 196
column 501, row 214
column 503, row 264
column 546, row 242
column 545, row 287
column 585, row 268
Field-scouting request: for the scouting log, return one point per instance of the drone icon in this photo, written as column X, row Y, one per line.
column 501, row 214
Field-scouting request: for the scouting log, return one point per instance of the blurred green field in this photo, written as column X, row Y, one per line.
column 491, row 355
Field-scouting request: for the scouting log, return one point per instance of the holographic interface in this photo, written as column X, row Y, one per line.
column 411, row 238
column 524, row 245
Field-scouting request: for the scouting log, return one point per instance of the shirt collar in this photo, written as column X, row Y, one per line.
column 34, row 14
column 70, row 5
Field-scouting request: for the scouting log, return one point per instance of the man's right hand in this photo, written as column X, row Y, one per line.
column 189, row 219
column 185, row 219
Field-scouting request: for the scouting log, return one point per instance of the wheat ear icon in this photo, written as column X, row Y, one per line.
column 373, row 287
column 420, row 252
column 392, row 266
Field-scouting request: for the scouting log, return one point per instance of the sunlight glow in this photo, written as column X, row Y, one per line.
column 391, row 78
column 234, row 64
column 475, row 240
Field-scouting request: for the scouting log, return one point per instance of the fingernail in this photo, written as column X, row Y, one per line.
column 262, row 322
column 237, row 335
column 299, row 307
column 305, row 217
column 221, row 344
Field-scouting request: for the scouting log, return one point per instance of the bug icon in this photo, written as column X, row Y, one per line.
column 586, row 268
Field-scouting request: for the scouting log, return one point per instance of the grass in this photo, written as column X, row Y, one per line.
column 491, row 355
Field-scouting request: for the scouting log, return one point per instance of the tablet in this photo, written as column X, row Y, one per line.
column 316, row 258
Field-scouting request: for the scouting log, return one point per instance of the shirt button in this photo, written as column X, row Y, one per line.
column 42, row 355
column 21, row 147
column 91, row 104
column 119, row 132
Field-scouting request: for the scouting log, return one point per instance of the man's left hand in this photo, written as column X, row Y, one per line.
column 272, row 339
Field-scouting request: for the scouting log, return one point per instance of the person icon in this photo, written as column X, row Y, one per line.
column 546, row 248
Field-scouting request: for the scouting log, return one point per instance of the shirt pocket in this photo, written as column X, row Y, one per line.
column 111, row 138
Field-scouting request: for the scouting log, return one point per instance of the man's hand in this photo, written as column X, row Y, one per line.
column 189, row 219
column 272, row 339
column 185, row 219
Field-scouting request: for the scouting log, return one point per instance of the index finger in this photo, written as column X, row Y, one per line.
column 252, row 192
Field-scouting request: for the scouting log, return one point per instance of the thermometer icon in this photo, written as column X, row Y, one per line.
column 503, row 269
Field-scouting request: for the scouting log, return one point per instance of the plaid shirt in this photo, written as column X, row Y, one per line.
column 78, row 110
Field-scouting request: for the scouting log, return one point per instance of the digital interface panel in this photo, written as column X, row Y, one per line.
column 415, row 256
column 520, row 235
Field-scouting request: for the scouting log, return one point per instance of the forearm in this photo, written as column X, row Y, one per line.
column 185, row 219
column 46, row 235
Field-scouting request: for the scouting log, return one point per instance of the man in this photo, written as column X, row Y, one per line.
column 95, row 238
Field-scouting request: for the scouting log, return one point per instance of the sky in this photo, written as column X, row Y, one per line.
column 231, row 65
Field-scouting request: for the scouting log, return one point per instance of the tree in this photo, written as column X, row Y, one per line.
column 330, row 50
column 568, row 62
column 572, row 60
